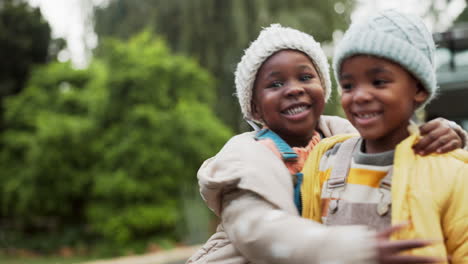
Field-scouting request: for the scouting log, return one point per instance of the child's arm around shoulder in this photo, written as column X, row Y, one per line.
column 440, row 134
column 252, row 191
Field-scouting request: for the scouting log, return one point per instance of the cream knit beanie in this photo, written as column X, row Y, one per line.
column 397, row 37
column 272, row 39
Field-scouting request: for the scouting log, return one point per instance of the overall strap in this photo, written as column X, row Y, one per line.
column 287, row 153
column 383, row 207
column 337, row 181
column 386, row 182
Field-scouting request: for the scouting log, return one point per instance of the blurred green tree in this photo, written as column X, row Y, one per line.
column 47, row 155
column 463, row 17
column 216, row 32
column 104, row 153
column 159, row 129
column 24, row 42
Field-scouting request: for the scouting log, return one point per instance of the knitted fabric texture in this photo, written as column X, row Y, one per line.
column 394, row 36
column 273, row 39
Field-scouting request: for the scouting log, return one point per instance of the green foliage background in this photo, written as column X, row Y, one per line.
column 215, row 32
column 104, row 154
column 24, row 42
column 106, row 157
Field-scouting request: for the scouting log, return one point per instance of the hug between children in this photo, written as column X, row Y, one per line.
column 352, row 191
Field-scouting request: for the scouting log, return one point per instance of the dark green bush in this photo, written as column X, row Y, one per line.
column 102, row 155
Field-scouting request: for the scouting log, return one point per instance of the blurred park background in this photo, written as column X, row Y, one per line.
column 104, row 122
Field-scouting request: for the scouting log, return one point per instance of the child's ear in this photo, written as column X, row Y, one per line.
column 255, row 111
column 421, row 95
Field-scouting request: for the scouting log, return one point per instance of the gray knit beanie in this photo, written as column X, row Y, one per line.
column 394, row 36
column 272, row 39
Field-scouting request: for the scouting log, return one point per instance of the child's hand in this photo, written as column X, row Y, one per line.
column 439, row 136
column 390, row 251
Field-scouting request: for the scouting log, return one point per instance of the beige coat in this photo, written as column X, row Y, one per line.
column 251, row 190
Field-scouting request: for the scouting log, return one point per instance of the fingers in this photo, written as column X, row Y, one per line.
column 412, row 259
column 451, row 145
column 442, row 144
column 395, row 247
column 390, row 251
column 386, row 233
column 428, row 143
column 432, row 124
column 437, row 136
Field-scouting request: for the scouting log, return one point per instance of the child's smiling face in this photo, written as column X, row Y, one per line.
column 379, row 98
column 288, row 96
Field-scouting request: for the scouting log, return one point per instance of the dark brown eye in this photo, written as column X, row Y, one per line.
column 379, row 82
column 346, row 86
column 275, row 84
column 306, row 77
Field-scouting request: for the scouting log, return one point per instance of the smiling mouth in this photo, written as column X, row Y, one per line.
column 366, row 118
column 295, row 110
column 368, row 115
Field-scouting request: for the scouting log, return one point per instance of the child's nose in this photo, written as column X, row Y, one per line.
column 362, row 95
column 294, row 90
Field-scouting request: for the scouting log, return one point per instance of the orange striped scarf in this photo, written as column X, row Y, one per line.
column 294, row 166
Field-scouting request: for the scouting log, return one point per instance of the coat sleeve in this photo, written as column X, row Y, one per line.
column 264, row 233
column 461, row 133
column 252, row 191
column 455, row 218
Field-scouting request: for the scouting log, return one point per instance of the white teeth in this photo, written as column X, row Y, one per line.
column 296, row 110
column 367, row 115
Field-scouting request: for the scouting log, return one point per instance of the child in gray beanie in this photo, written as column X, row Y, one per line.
column 396, row 37
column 385, row 68
column 282, row 83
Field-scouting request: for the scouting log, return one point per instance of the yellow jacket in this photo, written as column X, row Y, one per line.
column 431, row 192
